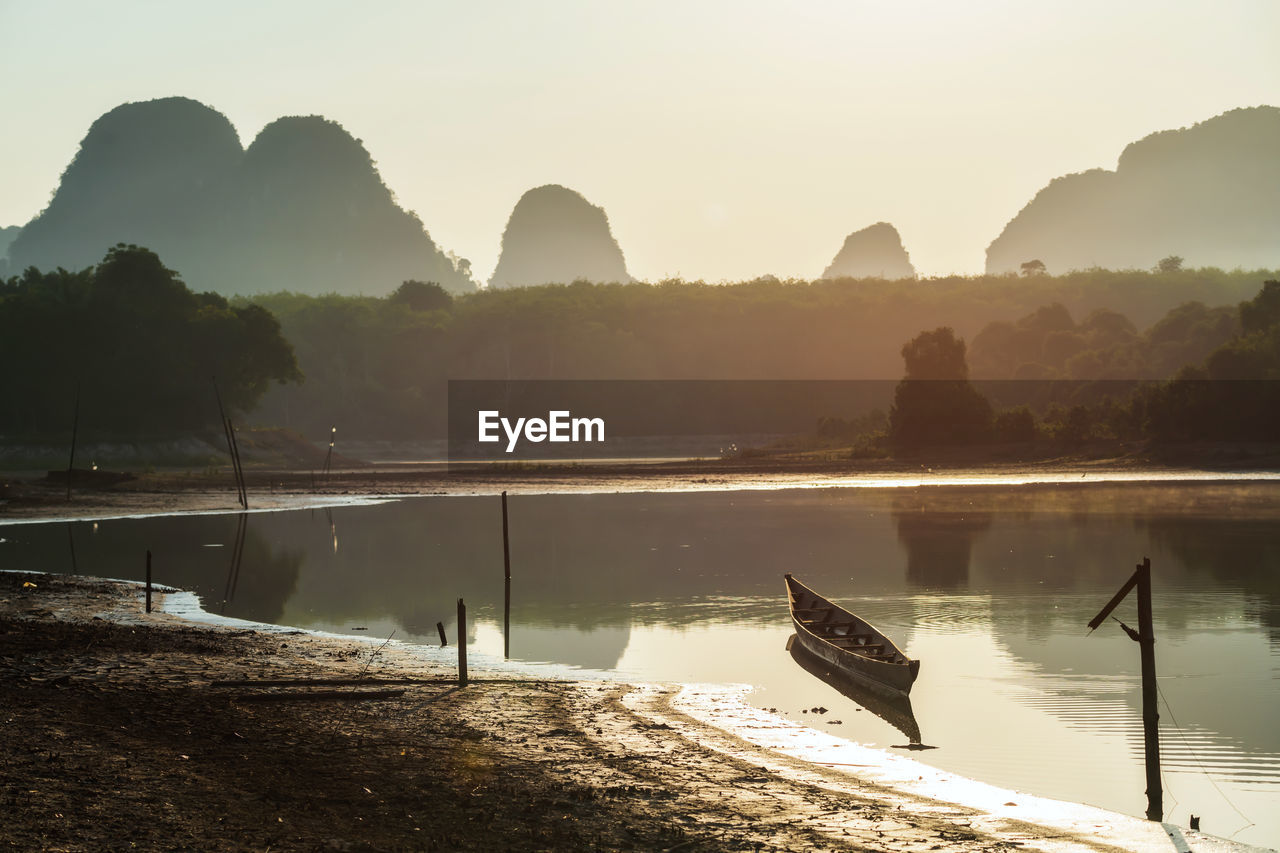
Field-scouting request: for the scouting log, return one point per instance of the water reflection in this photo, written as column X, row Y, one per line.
column 893, row 707
column 1235, row 555
column 990, row 586
column 237, row 559
column 939, row 543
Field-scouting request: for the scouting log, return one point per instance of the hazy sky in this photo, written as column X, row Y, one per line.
column 725, row 140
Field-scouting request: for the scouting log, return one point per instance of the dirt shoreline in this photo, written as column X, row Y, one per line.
column 128, row 729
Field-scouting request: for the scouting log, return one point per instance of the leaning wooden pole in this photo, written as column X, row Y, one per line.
column 235, row 457
column 226, row 433
column 1150, row 709
column 1145, row 636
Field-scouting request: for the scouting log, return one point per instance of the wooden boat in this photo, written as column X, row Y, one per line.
column 850, row 644
column 892, row 706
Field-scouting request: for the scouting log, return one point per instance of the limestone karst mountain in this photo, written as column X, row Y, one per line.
column 311, row 210
column 555, row 235
column 302, row 209
column 150, row 173
column 1209, row 194
column 874, row 252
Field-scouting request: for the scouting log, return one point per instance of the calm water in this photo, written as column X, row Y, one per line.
column 991, row 587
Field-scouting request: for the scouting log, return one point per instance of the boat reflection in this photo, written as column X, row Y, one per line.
column 892, row 707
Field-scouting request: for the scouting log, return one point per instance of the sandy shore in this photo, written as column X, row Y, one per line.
column 123, row 728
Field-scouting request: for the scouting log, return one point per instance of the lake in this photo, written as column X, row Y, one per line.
column 990, row 586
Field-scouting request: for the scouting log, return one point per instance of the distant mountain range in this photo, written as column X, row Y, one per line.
column 1209, row 194
column 303, row 208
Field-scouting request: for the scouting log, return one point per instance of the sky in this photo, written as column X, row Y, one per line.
column 726, row 139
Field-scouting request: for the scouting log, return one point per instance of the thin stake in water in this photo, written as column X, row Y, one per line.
column 462, row 643
column 506, row 573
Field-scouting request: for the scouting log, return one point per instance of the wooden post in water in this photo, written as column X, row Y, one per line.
column 462, row 644
column 444, row 641
column 506, row 573
column 1145, row 636
column 1150, row 710
column 75, row 429
column 148, row 581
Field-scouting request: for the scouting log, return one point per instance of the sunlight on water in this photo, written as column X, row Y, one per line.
column 990, row 587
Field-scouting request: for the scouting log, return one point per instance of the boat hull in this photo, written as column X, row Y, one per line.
column 897, row 674
column 892, row 706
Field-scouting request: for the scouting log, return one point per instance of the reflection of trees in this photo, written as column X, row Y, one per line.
column 586, row 561
column 267, row 579
column 938, row 543
column 189, row 552
column 1243, row 552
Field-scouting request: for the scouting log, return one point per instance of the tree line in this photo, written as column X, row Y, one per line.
column 380, row 367
column 1231, row 393
column 143, row 347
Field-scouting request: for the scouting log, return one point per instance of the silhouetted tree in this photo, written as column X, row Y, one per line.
column 934, row 404
column 422, row 296
column 1033, row 267
column 1263, row 311
column 1172, row 263
column 140, row 344
column 1015, row 425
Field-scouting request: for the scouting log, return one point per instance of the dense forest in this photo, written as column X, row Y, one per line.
column 379, row 367
column 143, row 346
column 1231, row 393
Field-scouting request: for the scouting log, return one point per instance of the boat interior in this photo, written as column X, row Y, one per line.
column 841, row 629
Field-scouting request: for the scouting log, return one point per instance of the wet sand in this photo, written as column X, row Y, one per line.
column 122, row 728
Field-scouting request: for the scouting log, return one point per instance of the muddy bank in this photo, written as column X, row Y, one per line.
column 121, row 728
